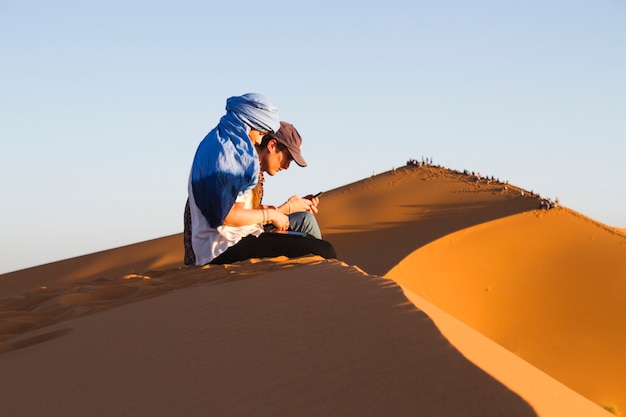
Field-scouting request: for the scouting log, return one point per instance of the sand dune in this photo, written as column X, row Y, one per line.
column 308, row 339
column 404, row 209
column 451, row 297
column 548, row 286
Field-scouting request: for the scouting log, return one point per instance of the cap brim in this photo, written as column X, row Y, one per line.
column 297, row 156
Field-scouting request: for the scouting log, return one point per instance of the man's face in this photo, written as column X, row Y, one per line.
column 273, row 159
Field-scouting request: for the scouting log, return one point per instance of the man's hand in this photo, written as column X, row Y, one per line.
column 296, row 204
column 278, row 219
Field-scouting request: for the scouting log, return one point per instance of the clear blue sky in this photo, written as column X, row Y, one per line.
column 103, row 103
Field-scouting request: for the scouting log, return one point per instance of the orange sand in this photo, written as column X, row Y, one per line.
column 549, row 287
column 462, row 299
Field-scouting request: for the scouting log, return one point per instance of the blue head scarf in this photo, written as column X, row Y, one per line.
column 226, row 162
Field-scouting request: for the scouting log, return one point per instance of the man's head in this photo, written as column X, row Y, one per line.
column 277, row 150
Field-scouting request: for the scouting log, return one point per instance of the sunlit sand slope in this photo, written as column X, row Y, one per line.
column 547, row 285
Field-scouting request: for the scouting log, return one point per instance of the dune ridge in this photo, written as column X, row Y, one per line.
column 409, row 207
column 45, row 306
column 546, row 395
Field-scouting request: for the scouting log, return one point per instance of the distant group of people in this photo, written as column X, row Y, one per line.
column 544, row 203
column 548, row 203
column 478, row 177
column 225, row 220
column 424, row 162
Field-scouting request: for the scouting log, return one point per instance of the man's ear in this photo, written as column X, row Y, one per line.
column 272, row 145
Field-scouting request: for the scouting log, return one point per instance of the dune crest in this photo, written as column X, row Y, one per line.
column 45, row 306
column 546, row 395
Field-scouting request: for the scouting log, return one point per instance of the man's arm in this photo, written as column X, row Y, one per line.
column 240, row 216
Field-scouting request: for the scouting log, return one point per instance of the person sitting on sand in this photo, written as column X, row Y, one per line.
column 276, row 151
column 225, row 226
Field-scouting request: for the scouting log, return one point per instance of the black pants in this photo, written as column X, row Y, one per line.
column 269, row 245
